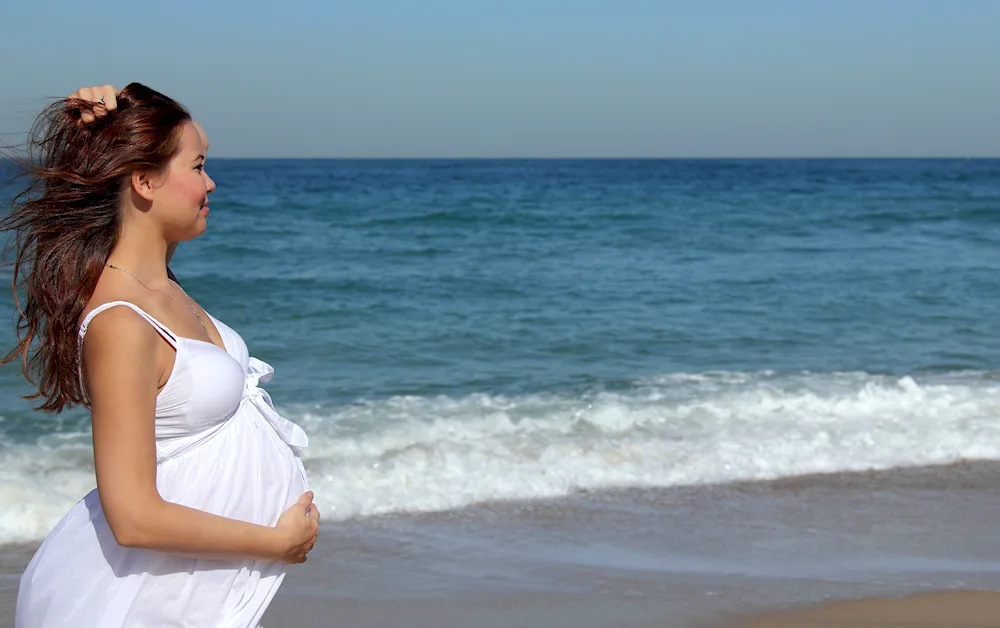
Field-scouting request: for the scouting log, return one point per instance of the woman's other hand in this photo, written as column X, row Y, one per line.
column 103, row 97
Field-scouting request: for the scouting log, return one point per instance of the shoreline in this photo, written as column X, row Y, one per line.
column 789, row 550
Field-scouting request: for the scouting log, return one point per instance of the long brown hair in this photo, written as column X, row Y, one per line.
column 64, row 225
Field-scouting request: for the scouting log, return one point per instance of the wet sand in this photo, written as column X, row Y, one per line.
column 933, row 610
column 678, row 557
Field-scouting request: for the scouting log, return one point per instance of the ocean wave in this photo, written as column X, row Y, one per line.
column 435, row 453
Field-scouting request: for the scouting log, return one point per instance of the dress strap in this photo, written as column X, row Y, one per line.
column 164, row 331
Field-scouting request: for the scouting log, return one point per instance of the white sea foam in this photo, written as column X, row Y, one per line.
column 419, row 453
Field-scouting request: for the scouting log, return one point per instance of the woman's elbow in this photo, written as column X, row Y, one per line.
column 131, row 526
column 126, row 536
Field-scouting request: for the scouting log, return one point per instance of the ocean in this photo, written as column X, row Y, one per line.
column 452, row 333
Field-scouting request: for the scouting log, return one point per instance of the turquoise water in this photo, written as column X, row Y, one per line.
column 457, row 331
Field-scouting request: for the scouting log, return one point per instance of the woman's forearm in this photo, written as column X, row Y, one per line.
column 176, row 529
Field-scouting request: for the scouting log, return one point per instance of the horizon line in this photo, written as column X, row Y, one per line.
column 620, row 158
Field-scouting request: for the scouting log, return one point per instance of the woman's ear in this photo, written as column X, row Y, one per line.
column 142, row 184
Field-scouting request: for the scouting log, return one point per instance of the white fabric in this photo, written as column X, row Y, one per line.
column 221, row 448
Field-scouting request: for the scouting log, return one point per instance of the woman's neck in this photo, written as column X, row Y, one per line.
column 143, row 253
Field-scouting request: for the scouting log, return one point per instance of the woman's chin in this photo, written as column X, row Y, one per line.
column 196, row 231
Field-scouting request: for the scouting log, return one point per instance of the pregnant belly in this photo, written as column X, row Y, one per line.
column 244, row 472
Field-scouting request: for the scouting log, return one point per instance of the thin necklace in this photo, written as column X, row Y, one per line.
column 191, row 309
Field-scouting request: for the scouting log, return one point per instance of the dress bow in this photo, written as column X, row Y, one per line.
column 260, row 372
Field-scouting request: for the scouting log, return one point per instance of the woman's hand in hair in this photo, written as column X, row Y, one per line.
column 94, row 95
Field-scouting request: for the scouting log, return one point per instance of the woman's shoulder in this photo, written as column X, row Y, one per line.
column 117, row 300
column 116, row 312
column 117, row 321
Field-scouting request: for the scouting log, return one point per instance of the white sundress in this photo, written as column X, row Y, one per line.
column 221, row 448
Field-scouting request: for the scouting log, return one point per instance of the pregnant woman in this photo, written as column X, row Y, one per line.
column 201, row 497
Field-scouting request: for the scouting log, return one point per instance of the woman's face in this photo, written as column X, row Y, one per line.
column 181, row 199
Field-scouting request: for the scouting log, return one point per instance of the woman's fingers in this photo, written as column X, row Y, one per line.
column 109, row 95
column 103, row 99
column 86, row 94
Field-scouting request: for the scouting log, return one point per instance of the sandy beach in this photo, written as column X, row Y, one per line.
column 913, row 547
column 980, row 609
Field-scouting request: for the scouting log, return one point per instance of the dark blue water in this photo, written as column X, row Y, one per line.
column 369, row 279
column 369, row 284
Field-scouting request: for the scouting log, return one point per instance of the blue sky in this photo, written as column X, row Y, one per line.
column 539, row 78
